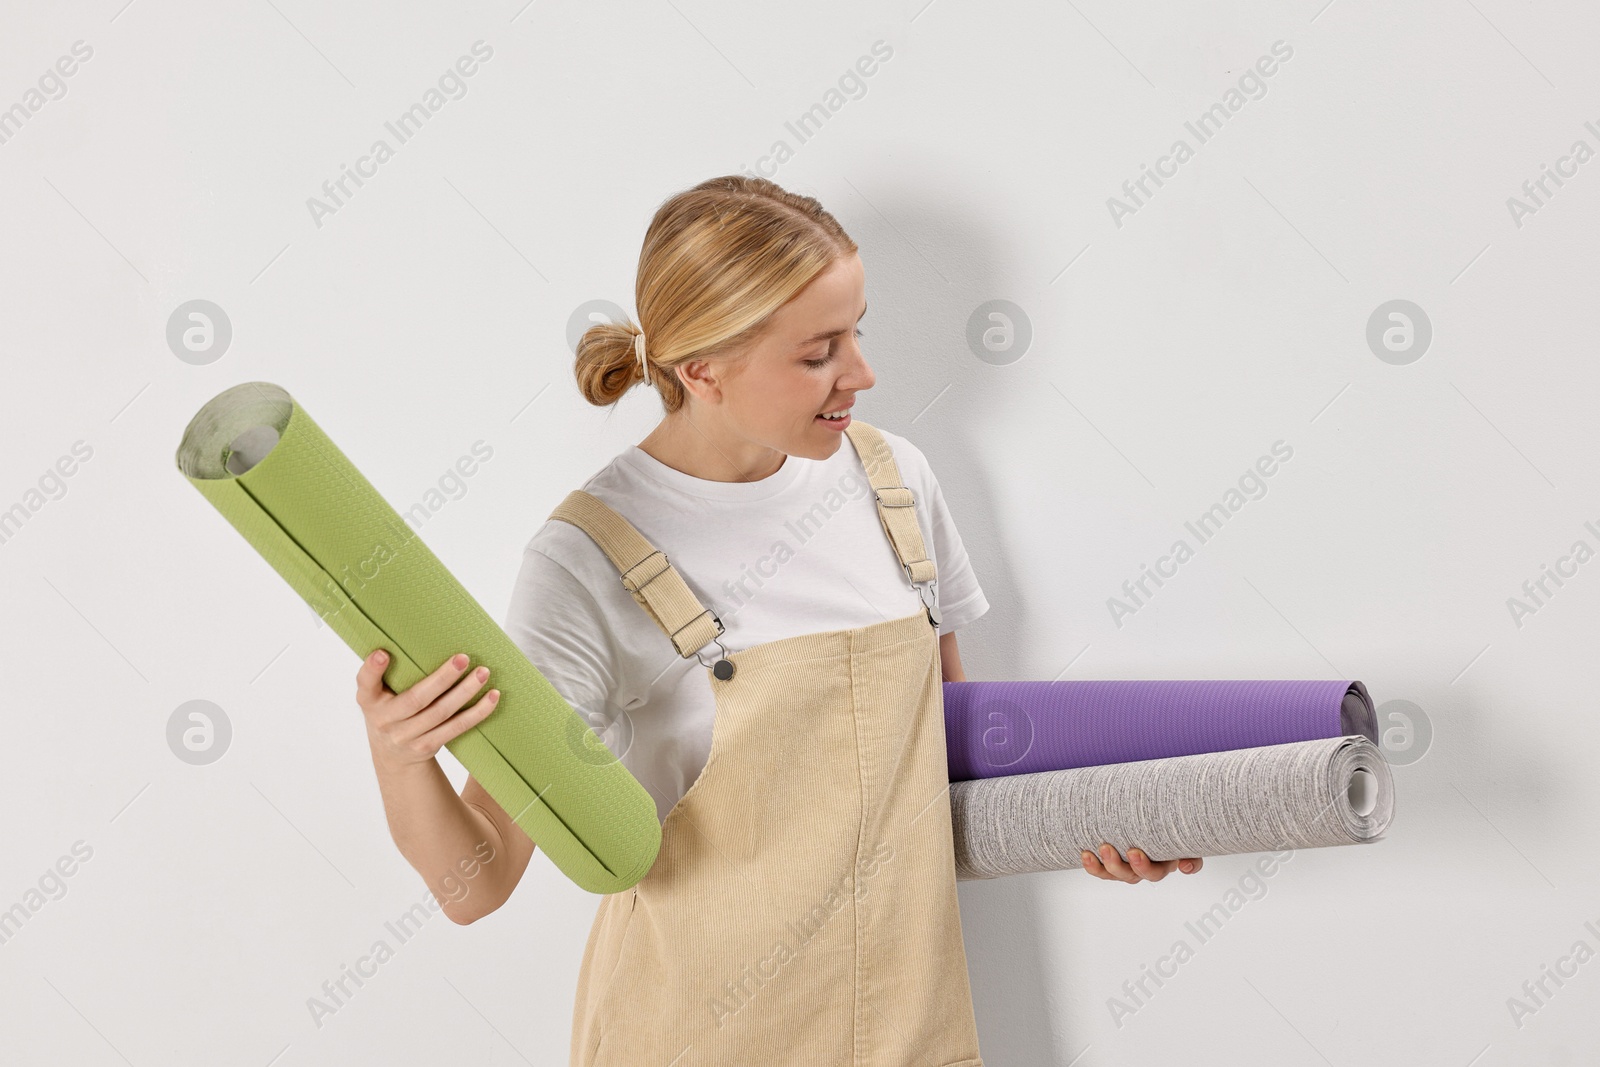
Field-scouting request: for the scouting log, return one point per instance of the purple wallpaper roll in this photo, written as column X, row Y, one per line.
column 999, row 728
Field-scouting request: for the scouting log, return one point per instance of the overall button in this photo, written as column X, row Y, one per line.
column 723, row 668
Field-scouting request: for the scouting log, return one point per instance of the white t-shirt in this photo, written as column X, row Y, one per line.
column 799, row 552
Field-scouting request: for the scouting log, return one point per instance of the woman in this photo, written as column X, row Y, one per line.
column 779, row 694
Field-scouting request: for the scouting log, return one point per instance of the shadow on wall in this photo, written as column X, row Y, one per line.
column 914, row 268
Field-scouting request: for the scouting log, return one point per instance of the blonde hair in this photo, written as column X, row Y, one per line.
column 718, row 260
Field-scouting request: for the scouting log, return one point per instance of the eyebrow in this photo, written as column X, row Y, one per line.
column 814, row 338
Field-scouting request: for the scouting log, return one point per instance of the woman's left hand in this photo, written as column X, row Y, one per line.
column 1138, row 867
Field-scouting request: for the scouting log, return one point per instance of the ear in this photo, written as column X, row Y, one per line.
column 701, row 379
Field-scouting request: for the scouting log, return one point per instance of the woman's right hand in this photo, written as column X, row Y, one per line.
column 412, row 726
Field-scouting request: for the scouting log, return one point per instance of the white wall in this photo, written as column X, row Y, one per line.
column 1170, row 348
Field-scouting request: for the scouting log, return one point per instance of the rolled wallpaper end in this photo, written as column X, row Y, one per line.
column 267, row 467
column 1306, row 794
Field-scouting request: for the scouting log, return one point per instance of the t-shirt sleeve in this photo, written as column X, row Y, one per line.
column 959, row 596
column 559, row 626
column 957, row 592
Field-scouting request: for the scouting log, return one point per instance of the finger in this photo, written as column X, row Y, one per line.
column 427, row 691
column 443, row 707
column 1092, row 864
column 1116, row 864
column 1191, row 865
column 1148, row 869
column 369, row 679
column 461, row 722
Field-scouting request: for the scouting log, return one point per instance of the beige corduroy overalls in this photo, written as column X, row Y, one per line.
column 802, row 909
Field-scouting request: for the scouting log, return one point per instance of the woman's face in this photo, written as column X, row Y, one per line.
column 808, row 362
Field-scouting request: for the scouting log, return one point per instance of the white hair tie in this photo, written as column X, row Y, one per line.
column 638, row 350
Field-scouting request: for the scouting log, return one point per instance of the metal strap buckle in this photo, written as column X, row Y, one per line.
column 929, row 599
column 697, row 618
column 722, row 667
column 720, row 645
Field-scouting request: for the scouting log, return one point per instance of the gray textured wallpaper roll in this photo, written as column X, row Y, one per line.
column 1308, row 794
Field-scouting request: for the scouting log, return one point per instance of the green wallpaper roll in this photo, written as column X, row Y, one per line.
column 277, row 478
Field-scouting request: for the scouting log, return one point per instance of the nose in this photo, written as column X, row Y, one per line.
column 858, row 374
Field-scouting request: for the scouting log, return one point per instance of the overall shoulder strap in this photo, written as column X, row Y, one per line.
column 646, row 574
column 896, row 506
